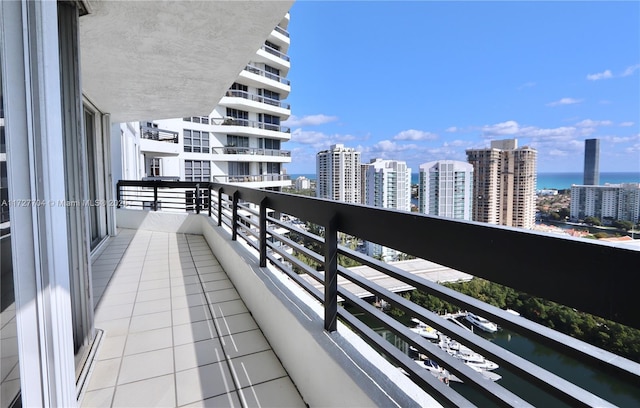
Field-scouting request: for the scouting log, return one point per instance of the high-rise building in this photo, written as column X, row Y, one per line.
column 445, row 189
column 338, row 173
column 386, row 184
column 239, row 141
column 504, row 184
column 592, row 162
column 608, row 203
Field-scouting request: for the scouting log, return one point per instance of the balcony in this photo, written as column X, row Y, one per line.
column 233, row 93
column 258, row 77
column 251, row 151
column 275, row 52
column 282, row 31
column 255, row 250
column 254, row 178
column 159, row 141
column 246, row 127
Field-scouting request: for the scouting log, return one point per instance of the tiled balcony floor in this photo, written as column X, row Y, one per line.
column 176, row 332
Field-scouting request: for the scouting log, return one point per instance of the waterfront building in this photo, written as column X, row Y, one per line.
column 240, row 141
column 591, row 162
column 338, row 172
column 386, row 184
column 608, row 203
column 445, row 189
column 504, row 184
column 302, row 183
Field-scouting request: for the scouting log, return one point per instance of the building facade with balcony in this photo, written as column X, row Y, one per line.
column 338, row 172
column 504, row 184
column 240, row 141
column 608, row 203
column 445, row 189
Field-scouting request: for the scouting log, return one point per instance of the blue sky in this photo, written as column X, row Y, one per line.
column 422, row 80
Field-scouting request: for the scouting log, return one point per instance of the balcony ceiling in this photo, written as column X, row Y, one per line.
column 165, row 59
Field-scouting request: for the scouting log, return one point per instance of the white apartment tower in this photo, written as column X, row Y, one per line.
column 504, row 184
column 445, row 189
column 338, row 173
column 239, row 141
column 386, row 184
column 608, row 203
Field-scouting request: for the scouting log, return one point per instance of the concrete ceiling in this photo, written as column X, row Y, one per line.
column 166, row 59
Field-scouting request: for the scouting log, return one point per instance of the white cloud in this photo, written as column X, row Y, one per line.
column 565, row 101
column 509, row 127
column 309, row 120
column 319, row 140
column 626, row 124
column 451, row 129
column 630, row 70
column 557, row 153
column 413, row 134
column 601, row 75
column 593, row 123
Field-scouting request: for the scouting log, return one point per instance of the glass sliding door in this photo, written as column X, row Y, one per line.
column 9, row 369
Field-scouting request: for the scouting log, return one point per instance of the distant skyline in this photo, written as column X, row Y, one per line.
column 422, row 81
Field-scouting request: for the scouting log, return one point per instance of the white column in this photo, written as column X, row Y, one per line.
column 30, row 68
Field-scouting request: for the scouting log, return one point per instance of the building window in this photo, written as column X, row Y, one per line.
column 197, row 170
column 237, row 141
column 238, row 169
column 272, row 45
column 272, row 73
column 238, row 114
column 273, row 168
column 196, row 141
column 197, row 119
column 270, row 122
column 272, row 144
column 154, row 167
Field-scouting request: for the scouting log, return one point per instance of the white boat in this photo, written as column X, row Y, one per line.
column 486, row 374
column 424, row 330
column 481, row 323
column 439, row 372
column 464, row 353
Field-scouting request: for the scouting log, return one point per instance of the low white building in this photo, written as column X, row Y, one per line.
column 302, row 183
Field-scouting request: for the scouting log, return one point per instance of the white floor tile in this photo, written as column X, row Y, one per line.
column 154, row 392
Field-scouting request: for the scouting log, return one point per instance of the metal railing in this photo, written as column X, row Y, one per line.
column 248, row 178
column 251, row 150
column 269, row 75
column 577, row 277
column 255, row 124
column 235, row 93
column 275, row 52
column 161, row 135
column 282, row 31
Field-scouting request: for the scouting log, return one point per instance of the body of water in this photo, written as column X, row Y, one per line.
column 558, row 181
column 606, row 385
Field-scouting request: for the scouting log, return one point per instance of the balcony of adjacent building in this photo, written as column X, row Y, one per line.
column 247, row 127
column 257, row 76
column 245, row 100
column 273, row 54
column 159, row 141
column 267, row 180
column 229, row 300
column 250, row 154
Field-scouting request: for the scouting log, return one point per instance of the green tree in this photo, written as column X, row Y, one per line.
column 625, row 225
column 592, row 221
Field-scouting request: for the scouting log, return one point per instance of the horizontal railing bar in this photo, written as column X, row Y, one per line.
column 309, row 288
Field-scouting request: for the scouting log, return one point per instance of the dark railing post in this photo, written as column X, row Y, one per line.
column 234, row 220
column 219, row 207
column 198, row 199
column 118, row 195
column 155, row 198
column 263, row 232
column 331, row 276
column 210, row 202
